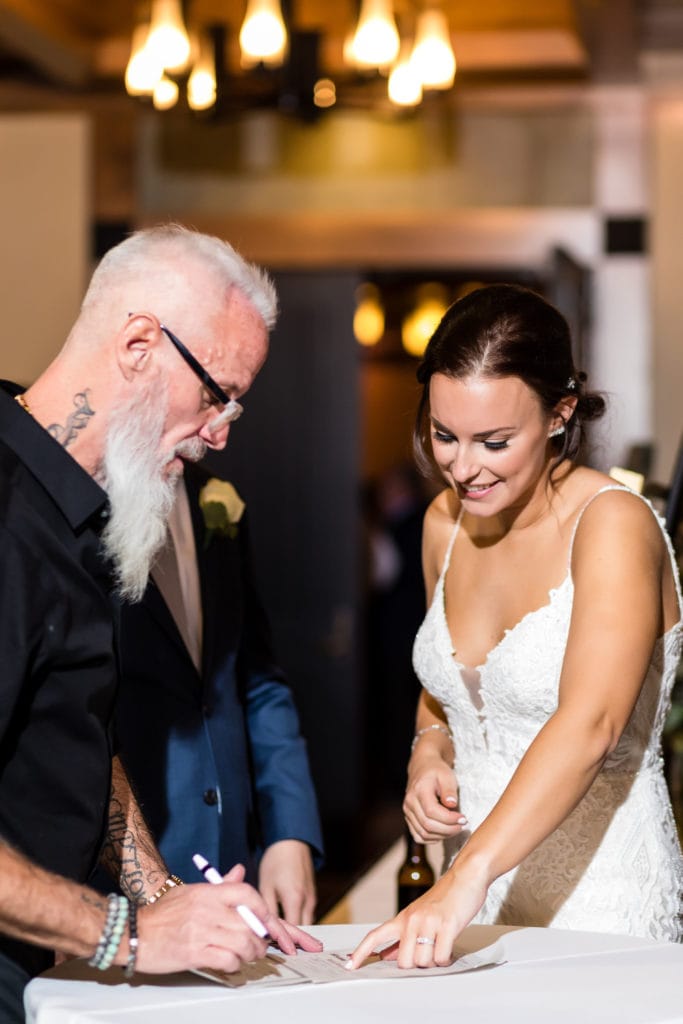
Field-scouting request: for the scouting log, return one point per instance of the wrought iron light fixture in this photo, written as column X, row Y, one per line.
column 165, row 53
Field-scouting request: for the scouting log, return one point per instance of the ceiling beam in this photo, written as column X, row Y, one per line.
column 34, row 31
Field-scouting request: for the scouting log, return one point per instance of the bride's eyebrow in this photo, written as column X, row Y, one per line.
column 482, row 435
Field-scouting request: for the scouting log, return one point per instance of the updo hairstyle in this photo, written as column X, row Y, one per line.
column 504, row 330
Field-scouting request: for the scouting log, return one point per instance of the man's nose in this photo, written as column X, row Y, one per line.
column 217, row 438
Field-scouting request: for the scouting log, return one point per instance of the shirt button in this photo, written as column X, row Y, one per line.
column 210, row 797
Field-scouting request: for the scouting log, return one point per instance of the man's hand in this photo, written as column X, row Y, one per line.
column 198, row 926
column 287, row 879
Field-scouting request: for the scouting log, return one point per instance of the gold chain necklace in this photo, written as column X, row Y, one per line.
column 23, row 403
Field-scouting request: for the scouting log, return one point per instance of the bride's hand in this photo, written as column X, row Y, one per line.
column 430, row 804
column 438, row 917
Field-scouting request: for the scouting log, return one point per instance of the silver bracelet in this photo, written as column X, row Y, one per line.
column 431, row 728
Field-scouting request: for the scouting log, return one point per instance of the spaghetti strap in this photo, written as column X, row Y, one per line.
column 451, row 542
column 660, row 523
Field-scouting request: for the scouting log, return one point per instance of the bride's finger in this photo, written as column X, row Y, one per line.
column 385, row 933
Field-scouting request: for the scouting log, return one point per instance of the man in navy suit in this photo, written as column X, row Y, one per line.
column 207, row 725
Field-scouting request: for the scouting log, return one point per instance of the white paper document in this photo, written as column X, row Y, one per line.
column 318, row 968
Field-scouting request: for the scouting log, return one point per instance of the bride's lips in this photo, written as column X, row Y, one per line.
column 476, row 492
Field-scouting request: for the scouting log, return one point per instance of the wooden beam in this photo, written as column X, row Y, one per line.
column 34, row 30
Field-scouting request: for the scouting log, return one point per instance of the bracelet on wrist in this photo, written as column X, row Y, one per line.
column 112, row 932
column 171, row 882
column 133, row 942
column 431, row 728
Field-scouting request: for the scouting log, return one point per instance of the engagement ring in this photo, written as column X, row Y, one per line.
column 424, row 940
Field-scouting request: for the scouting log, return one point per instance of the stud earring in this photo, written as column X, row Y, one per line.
column 557, row 431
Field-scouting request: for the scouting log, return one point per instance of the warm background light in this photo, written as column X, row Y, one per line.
column 263, row 36
column 165, row 93
column 433, row 58
column 368, row 320
column 168, row 41
column 376, row 41
column 201, row 85
column 404, row 85
column 419, row 325
column 143, row 71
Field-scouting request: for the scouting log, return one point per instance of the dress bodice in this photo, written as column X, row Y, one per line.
column 518, row 681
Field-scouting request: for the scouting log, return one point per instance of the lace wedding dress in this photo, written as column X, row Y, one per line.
column 614, row 865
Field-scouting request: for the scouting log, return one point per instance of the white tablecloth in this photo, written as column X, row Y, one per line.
column 550, row 976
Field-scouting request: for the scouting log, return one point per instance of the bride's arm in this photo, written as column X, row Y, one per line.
column 617, row 571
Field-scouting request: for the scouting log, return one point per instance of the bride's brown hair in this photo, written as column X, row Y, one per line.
column 505, row 330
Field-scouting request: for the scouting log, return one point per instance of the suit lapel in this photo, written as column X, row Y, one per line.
column 158, row 608
column 218, row 580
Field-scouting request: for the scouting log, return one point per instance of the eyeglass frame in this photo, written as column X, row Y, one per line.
column 233, row 410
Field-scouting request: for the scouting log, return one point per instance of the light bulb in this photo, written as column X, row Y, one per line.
column 201, row 85
column 168, row 40
column 142, row 71
column 324, row 93
column 263, row 36
column 404, row 85
column 368, row 319
column 376, row 41
column 418, row 327
column 165, row 93
column 433, row 58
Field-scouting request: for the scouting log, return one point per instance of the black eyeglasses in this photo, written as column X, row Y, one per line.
column 233, row 410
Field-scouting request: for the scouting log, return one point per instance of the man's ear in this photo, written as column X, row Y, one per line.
column 136, row 342
column 564, row 410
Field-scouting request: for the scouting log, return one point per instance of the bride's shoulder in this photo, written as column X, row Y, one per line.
column 442, row 513
column 439, row 523
column 599, row 506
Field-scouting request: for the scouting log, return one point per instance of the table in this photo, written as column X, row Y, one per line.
column 550, row 975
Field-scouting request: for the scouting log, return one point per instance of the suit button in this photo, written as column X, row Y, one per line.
column 206, row 710
column 210, row 797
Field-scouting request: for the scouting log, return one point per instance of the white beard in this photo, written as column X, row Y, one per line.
column 141, row 493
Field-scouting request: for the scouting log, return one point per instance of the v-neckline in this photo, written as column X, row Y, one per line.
column 552, row 593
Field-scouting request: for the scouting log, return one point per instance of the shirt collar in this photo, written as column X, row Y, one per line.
column 68, row 484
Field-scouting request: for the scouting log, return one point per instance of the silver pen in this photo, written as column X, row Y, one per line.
column 212, row 875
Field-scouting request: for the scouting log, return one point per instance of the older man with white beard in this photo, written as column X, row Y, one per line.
column 89, row 458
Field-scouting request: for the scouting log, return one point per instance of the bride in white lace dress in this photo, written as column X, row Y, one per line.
column 547, row 655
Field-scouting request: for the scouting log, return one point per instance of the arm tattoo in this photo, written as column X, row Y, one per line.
column 94, row 900
column 127, row 848
column 75, row 421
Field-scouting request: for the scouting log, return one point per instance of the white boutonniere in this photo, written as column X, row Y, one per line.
column 221, row 507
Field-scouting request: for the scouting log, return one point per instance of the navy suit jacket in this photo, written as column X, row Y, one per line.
column 218, row 761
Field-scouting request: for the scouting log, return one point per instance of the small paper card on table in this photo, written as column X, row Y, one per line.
column 318, row 968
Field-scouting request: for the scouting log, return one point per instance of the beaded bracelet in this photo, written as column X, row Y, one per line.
column 112, row 933
column 133, row 943
column 431, row 728
column 171, row 882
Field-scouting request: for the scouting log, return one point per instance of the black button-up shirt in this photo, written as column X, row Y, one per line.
column 58, row 669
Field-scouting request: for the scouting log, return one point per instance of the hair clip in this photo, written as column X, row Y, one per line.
column 571, row 384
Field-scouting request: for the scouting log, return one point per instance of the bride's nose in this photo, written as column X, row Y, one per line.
column 465, row 466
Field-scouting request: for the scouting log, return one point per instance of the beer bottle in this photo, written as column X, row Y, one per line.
column 415, row 875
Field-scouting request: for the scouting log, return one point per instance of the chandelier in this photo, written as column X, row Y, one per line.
column 168, row 52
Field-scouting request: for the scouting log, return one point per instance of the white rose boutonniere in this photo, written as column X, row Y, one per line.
column 221, row 507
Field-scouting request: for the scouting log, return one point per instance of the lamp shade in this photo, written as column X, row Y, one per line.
column 376, row 40
column 432, row 57
column 168, row 41
column 263, row 36
column 143, row 71
column 201, row 85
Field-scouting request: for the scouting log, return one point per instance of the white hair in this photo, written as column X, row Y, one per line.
column 162, row 258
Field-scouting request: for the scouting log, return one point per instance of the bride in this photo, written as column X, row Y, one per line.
column 547, row 655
